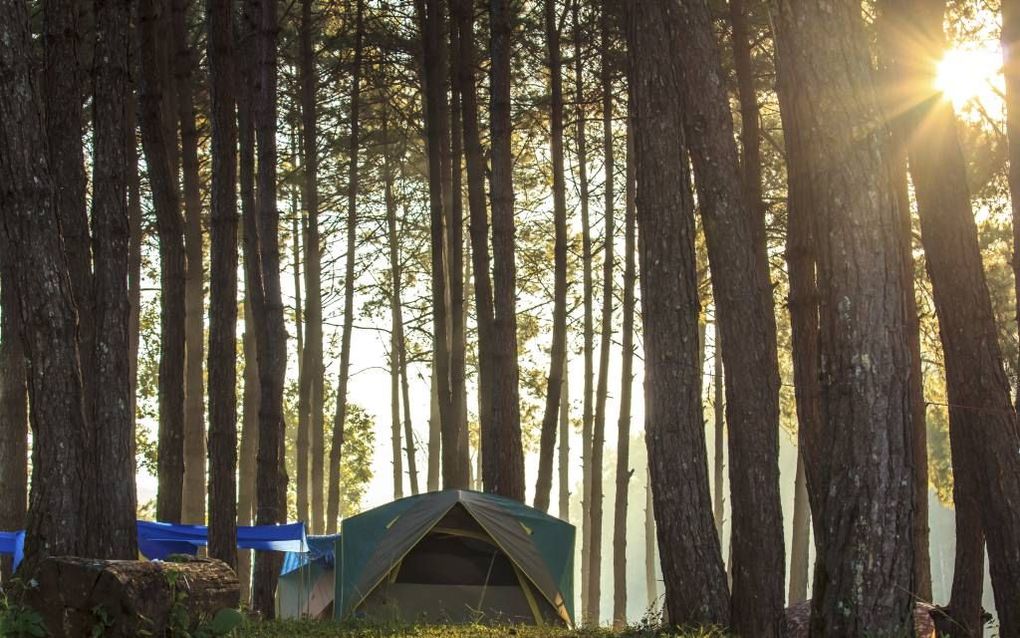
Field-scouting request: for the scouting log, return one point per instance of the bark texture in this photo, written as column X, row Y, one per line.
column 13, row 413
column 696, row 591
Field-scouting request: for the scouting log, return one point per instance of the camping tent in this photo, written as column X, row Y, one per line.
column 455, row 556
column 307, row 580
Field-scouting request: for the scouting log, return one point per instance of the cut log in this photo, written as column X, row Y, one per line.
column 130, row 598
column 797, row 620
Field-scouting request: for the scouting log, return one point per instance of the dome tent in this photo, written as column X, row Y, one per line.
column 455, row 556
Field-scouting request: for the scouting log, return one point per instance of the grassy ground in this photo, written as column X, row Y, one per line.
column 322, row 629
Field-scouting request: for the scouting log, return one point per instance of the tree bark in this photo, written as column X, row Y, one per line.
column 311, row 382
column 333, row 495
column 30, row 247
column 719, row 438
column 134, row 218
column 746, row 325
column 503, row 456
column 696, row 591
column 563, row 462
column 651, row 582
column 112, row 418
column 13, row 413
column 863, row 514
column 558, row 352
column 588, row 348
column 222, row 364
column 478, row 226
column 396, row 318
column 623, row 470
column 267, row 311
column 158, row 144
column 194, row 487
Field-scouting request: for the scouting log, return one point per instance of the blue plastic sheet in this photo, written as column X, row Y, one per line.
column 320, row 550
column 13, row 544
column 156, row 541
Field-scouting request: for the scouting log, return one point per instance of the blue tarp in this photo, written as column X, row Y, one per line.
column 156, row 541
column 320, row 550
column 13, row 543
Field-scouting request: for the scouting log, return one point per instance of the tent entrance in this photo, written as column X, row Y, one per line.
column 457, row 573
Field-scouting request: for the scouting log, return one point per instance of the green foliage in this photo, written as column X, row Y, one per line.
column 315, row 629
column 16, row 619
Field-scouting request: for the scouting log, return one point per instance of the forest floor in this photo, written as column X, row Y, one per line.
column 322, row 629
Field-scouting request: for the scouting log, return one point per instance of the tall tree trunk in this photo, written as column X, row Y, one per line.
column 863, row 518
column 594, row 507
column 134, row 218
column 13, row 414
column 588, row 349
column 435, row 434
column 112, row 417
column 623, row 470
column 246, row 190
column 158, row 144
column 503, row 456
column 478, row 226
column 410, row 447
column 719, row 438
column 563, row 462
column 461, row 455
column 746, row 327
column 267, row 311
column 222, row 287
column 311, row 382
column 692, row 568
column 333, row 495
column 193, row 490
column 32, row 257
column 396, row 317
column 984, row 451
column 302, row 443
column 800, row 543
column 558, row 353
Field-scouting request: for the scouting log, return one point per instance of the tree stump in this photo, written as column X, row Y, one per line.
column 130, row 598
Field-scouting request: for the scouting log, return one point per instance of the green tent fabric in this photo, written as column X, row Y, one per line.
column 457, row 545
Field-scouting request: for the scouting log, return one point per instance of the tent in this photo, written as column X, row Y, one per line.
column 455, row 556
column 13, row 544
column 307, row 580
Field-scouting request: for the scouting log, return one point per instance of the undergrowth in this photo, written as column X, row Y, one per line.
column 322, row 629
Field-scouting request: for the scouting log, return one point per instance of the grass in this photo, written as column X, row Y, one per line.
column 322, row 629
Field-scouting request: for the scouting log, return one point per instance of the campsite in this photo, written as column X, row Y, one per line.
column 510, row 318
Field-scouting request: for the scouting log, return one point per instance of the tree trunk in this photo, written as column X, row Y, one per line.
column 503, row 456
column 112, row 417
column 1010, row 40
column 558, row 353
column 223, row 287
column 696, row 591
column 301, row 442
column 587, row 422
column 746, row 328
column 62, row 91
column 159, row 144
column 623, row 470
column 13, row 414
column 602, row 389
column 194, row 487
column 396, row 318
column 267, row 311
column 461, row 450
column 435, row 435
column 719, row 438
column 311, row 382
column 134, row 220
column 800, row 544
column 30, row 247
column 563, row 463
column 478, row 226
column 864, row 574
column 333, row 495
column 962, row 617
column 246, row 189
column 310, row 376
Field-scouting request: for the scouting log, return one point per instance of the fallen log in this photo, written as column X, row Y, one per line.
column 77, row 596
